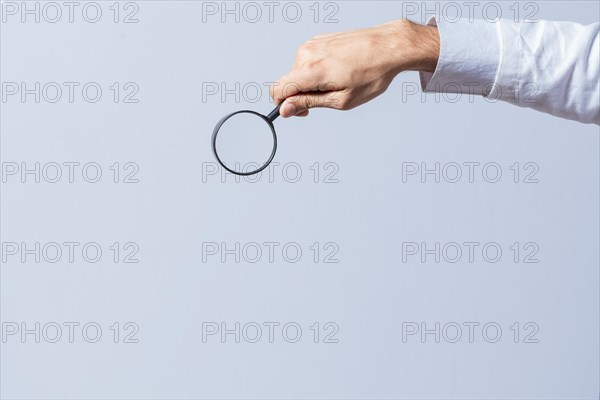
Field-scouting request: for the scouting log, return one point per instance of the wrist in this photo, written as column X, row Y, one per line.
column 417, row 47
column 427, row 47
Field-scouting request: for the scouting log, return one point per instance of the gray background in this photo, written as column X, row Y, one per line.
column 369, row 213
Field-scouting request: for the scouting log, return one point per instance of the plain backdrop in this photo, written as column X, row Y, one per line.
column 351, row 199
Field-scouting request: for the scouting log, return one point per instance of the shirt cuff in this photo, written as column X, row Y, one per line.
column 469, row 58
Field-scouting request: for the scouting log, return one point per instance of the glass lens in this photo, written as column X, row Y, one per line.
column 244, row 142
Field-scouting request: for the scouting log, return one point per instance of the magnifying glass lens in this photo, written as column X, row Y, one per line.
column 244, row 142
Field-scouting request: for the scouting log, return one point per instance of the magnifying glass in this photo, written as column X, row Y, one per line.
column 244, row 142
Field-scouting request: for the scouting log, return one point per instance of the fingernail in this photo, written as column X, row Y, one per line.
column 288, row 110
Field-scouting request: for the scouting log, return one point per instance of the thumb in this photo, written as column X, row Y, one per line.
column 300, row 103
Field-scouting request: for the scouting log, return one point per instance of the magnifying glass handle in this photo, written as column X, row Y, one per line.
column 275, row 113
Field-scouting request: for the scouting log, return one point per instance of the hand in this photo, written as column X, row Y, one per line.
column 344, row 70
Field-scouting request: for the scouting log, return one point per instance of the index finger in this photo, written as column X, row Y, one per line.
column 291, row 84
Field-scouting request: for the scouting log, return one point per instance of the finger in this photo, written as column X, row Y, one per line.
column 326, row 35
column 291, row 84
column 302, row 114
column 300, row 103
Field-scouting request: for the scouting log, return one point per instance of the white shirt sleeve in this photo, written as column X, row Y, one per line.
column 553, row 67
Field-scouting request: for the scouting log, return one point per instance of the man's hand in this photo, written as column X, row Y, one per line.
column 345, row 70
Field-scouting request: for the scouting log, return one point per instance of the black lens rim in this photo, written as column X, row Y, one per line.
column 216, row 133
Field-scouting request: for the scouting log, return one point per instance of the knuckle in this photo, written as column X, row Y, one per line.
column 307, row 102
column 275, row 89
column 289, row 88
column 310, row 66
column 328, row 86
column 344, row 102
column 312, row 69
column 303, row 50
